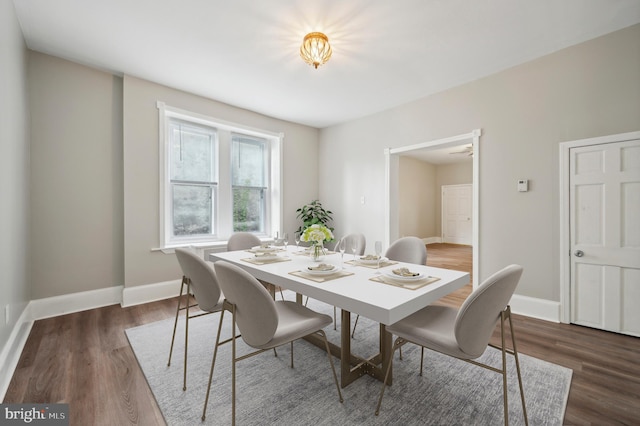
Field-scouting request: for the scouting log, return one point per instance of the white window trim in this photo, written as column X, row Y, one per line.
column 274, row 219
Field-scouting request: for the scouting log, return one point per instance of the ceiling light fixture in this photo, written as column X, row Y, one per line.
column 315, row 49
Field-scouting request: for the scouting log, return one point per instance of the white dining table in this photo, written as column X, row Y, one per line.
column 354, row 293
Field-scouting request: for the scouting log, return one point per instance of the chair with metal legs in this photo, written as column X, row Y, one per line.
column 245, row 241
column 263, row 323
column 405, row 249
column 408, row 250
column 242, row 241
column 200, row 280
column 465, row 333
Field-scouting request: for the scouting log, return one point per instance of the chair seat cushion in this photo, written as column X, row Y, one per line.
column 431, row 327
column 295, row 321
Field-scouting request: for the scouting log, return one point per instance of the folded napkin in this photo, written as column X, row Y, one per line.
column 265, row 254
column 370, row 257
column 322, row 267
column 405, row 272
column 265, row 246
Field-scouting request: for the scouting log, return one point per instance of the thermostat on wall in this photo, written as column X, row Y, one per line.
column 523, row 185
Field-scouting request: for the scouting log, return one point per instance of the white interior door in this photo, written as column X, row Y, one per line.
column 457, row 201
column 604, row 187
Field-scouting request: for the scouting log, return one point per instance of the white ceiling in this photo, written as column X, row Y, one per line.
column 450, row 155
column 245, row 52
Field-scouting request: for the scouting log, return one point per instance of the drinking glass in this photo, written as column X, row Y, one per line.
column 354, row 247
column 378, row 251
column 296, row 237
column 342, row 246
column 285, row 240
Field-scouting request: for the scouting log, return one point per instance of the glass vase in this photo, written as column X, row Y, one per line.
column 317, row 252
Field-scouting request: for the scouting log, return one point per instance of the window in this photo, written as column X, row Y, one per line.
column 248, row 180
column 192, row 179
column 216, row 178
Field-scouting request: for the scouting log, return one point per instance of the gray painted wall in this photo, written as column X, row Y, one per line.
column 416, row 199
column 587, row 90
column 76, row 177
column 94, row 192
column 15, row 284
column 141, row 234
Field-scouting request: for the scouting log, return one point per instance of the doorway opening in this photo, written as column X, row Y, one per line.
column 392, row 185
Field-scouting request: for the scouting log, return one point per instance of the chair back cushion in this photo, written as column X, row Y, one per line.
column 242, row 241
column 204, row 282
column 478, row 314
column 256, row 314
column 409, row 250
column 358, row 239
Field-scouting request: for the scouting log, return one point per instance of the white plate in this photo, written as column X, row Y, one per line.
column 371, row 262
column 391, row 275
column 316, row 272
column 261, row 249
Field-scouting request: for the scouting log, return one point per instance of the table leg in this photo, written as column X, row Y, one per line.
column 346, row 374
column 374, row 366
column 270, row 288
column 386, row 345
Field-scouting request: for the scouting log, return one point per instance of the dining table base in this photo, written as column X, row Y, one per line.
column 352, row 366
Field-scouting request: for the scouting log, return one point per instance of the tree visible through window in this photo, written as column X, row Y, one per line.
column 193, row 185
column 216, row 178
column 248, row 179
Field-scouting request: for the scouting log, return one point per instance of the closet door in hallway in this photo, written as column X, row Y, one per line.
column 457, row 211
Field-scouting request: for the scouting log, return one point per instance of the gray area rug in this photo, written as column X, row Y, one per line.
column 269, row 392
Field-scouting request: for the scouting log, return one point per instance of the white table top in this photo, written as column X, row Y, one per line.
column 356, row 293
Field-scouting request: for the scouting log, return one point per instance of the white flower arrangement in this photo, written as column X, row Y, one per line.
column 316, row 234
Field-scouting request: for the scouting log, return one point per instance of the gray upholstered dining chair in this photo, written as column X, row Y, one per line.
column 263, row 323
column 245, row 241
column 242, row 241
column 465, row 333
column 405, row 249
column 409, row 250
column 354, row 240
column 200, row 280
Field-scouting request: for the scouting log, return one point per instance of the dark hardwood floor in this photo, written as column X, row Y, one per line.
column 84, row 359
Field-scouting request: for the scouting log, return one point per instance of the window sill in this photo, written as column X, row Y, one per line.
column 217, row 246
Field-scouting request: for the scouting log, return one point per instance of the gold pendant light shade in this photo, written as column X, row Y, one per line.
column 315, row 49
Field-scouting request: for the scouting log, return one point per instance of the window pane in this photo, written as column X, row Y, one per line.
column 192, row 151
column 247, row 161
column 248, row 209
column 192, row 210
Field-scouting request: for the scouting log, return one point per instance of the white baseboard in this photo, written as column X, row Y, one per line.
column 432, row 240
column 150, row 292
column 12, row 350
column 537, row 308
column 69, row 303
column 75, row 302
